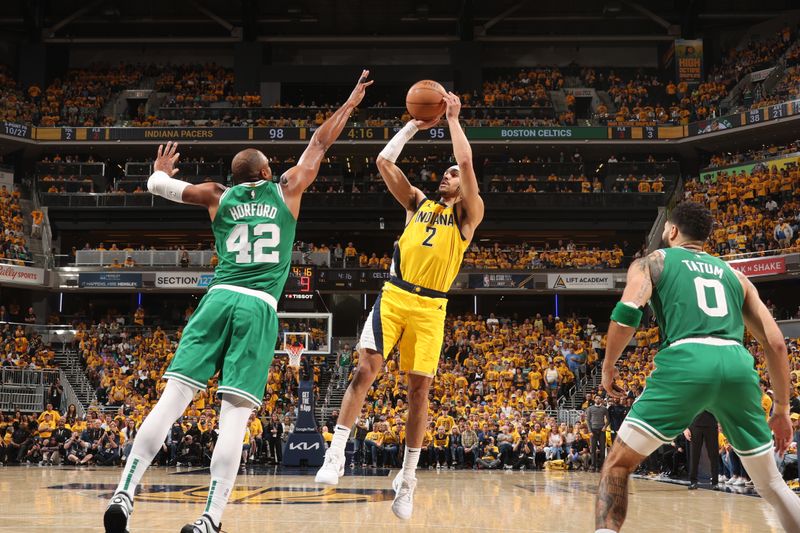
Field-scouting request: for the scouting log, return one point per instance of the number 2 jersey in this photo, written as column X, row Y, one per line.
column 697, row 295
column 431, row 248
column 254, row 233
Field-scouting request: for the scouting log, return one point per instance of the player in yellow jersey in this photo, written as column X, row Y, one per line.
column 411, row 308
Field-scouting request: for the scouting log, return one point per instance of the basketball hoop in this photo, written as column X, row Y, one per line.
column 294, row 353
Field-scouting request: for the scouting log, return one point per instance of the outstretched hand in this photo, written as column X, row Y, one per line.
column 166, row 159
column 425, row 124
column 360, row 90
column 453, row 105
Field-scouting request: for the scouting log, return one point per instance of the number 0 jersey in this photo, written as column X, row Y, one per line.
column 431, row 248
column 697, row 295
column 254, row 233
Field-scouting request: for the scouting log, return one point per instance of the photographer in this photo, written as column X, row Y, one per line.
column 189, row 452
column 93, row 436
column 75, row 449
column 174, row 438
column 108, row 453
column 523, row 452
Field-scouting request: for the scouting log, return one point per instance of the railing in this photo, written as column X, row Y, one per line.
column 382, row 200
column 24, row 389
column 186, row 169
column 69, row 396
column 142, row 257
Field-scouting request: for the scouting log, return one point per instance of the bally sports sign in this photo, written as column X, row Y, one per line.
column 21, row 275
column 571, row 281
column 183, row 280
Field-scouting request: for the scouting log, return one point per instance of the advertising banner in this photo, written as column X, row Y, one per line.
column 580, row 281
column 183, row 280
column 550, row 134
column 109, row 280
column 762, row 266
column 689, row 60
column 21, row 275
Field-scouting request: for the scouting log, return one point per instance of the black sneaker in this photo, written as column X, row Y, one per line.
column 693, row 486
column 119, row 510
column 204, row 524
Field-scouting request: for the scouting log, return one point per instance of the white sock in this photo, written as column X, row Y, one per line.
column 770, row 485
column 410, row 461
column 604, row 531
column 135, row 467
column 218, row 493
column 151, row 435
column 341, row 435
column 227, row 453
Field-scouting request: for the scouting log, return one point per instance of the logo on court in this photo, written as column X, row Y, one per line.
column 281, row 495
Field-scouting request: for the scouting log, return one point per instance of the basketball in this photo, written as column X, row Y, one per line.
column 424, row 100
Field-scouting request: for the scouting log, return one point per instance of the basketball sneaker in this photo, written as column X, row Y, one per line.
column 119, row 510
column 332, row 469
column 204, row 524
column 403, row 503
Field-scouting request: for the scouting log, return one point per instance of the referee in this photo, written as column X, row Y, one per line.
column 703, row 430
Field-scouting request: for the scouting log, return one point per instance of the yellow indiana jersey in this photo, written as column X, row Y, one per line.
column 431, row 248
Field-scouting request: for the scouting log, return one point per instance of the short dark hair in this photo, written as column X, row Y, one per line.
column 694, row 220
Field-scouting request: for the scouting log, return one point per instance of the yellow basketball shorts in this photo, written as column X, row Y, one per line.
column 415, row 324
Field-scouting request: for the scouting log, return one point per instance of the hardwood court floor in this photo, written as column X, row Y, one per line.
column 34, row 499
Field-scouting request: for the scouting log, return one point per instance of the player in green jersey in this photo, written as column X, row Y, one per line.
column 702, row 306
column 235, row 327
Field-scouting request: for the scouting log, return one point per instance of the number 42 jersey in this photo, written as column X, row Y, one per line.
column 254, row 233
column 697, row 295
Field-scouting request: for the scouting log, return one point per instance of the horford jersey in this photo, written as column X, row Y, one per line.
column 431, row 248
column 254, row 233
column 697, row 295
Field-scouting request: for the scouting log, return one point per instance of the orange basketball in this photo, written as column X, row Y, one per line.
column 424, row 100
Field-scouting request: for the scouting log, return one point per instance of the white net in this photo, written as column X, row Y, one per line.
column 295, row 343
column 295, row 353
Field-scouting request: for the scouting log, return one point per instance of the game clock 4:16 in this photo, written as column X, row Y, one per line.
column 301, row 280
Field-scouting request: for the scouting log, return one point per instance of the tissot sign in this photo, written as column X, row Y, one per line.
column 762, row 266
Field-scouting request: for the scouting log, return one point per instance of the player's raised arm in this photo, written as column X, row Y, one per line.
column 470, row 192
column 297, row 179
column 396, row 181
column 626, row 317
column 763, row 327
column 162, row 183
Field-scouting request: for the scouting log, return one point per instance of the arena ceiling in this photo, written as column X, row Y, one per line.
column 374, row 21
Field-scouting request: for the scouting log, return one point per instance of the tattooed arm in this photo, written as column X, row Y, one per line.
column 638, row 289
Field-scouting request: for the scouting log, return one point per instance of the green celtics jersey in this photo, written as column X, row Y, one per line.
column 697, row 295
column 254, row 234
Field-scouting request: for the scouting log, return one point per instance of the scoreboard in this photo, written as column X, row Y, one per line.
column 301, row 280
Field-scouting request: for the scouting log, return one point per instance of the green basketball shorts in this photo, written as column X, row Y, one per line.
column 233, row 331
column 708, row 374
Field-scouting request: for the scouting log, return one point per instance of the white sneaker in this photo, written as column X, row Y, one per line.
column 332, row 469
column 722, row 479
column 119, row 510
column 740, row 482
column 403, row 503
column 749, row 483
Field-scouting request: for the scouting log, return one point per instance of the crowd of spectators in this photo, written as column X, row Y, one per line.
column 20, row 348
column 13, row 244
column 561, row 255
column 755, row 211
column 497, row 380
column 725, row 159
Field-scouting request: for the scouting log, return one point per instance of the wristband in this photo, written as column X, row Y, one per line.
column 160, row 184
column 627, row 314
column 393, row 148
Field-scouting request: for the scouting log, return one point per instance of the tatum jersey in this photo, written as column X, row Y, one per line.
column 430, row 251
column 254, row 232
column 697, row 295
